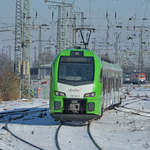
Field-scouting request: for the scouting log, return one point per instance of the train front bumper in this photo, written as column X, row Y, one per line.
column 74, row 117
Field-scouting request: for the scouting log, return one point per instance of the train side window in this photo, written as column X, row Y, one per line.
column 108, row 85
column 111, row 85
column 117, row 84
column 50, row 73
column 101, row 76
column 104, row 85
column 114, row 83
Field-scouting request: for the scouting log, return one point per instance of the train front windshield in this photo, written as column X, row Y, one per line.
column 76, row 70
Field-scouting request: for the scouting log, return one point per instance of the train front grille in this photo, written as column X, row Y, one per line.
column 74, row 106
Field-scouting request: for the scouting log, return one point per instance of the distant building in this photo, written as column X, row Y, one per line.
column 40, row 73
column 40, row 81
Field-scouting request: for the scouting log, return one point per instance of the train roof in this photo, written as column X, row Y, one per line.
column 112, row 67
column 67, row 52
column 107, row 65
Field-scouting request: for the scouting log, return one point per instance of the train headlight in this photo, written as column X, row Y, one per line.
column 57, row 105
column 91, row 106
column 89, row 94
column 58, row 93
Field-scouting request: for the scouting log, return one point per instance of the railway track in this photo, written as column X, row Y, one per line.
column 20, row 111
column 88, row 131
column 10, row 116
column 19, row 114
column 135, row 99
column 133, row 111
column 20, row 139
column 91, row 137
column 56, row 137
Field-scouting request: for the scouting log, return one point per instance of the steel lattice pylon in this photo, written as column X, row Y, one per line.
column 64, row 23
column 22, row 46
column 18, row 36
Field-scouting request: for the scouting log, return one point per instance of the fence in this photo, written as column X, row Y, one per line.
column 40, row 89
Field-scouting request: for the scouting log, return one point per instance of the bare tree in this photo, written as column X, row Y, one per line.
column 9, row 83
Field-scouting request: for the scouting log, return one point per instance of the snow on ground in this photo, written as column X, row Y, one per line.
column 116, row 130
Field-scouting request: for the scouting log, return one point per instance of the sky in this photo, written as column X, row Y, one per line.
column 95, row 11
column 93, row 8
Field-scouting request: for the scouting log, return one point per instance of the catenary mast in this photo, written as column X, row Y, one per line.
column 22, row 46
column 18, row 36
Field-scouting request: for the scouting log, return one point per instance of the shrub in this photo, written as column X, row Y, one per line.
column 9, row 83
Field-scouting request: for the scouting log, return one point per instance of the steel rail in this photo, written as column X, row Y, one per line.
column 20, row 139
column 56, row 137
column 91, row 137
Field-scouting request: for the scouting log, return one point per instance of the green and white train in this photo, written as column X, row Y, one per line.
column 82, row 86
